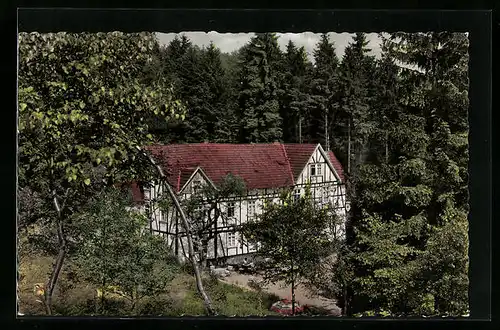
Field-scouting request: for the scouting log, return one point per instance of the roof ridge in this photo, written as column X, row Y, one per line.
column 288, row 162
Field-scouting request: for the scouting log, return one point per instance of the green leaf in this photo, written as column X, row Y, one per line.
column 86, row 181
column 82, row 104
column 23, row 106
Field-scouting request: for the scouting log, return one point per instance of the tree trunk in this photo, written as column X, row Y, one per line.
column 300, row 130
column 56, row 270
column 386, row 147
column 349, row 146
column 327, row 138
column 204, row 252
column 199, row 283
column 216, row 235
column 293, row 289
column 344, row 297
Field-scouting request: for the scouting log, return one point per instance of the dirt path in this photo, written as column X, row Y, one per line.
column 302, row 294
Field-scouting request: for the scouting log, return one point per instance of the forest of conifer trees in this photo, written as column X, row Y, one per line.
column 397, row 123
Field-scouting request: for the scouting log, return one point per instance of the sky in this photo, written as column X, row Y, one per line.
column 228, row 42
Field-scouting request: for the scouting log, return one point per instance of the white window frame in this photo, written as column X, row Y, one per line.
column 317, row 168
column 196, row 186
column 231, row 240
column 231, row 206
column 297, row 193
column 147, row 193
column 251, row 209
column 312, row 168
column 200, row 209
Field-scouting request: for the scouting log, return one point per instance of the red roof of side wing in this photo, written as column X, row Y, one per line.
column 336, row 164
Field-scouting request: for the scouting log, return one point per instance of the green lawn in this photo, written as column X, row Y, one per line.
column 76, row 297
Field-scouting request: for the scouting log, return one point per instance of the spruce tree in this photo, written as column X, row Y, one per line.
column 354, row 118
column 258, row 92
column 323, row 105
column 295, row 97
column 195, row 94
column 219, row 110
column 388, row 215
column 171, row 63
column 409, row 247
column 229, row 63
column 199, row 80
column 443, row 91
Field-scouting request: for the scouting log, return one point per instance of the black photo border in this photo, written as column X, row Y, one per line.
column 477, row 23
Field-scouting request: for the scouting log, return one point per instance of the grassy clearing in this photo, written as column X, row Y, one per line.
column 74, row 297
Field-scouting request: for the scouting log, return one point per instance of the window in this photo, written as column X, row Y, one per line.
column 316, row 169
column 325, row 199
column 296, row 195
column 313, row 169
column 196, row 186
column 251, row 209
column 199, row 211
column 230, row 209
column 316, row 197
column 145, row 191
column 231, row 240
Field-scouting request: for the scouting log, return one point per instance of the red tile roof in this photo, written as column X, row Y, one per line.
column 259, row 165
column 298, row 155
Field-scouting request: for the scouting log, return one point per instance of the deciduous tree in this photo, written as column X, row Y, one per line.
column 117, row 250
column 82, row 109
column 296, row 235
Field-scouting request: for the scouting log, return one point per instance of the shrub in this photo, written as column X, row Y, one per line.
column 161, row 305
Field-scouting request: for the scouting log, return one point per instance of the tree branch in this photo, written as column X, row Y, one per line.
column 199, row 284
column 60, row 257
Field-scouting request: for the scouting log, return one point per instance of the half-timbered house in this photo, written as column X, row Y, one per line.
column 266, row 170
